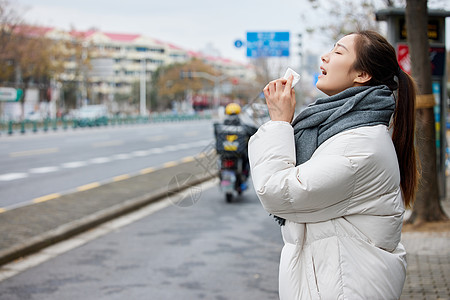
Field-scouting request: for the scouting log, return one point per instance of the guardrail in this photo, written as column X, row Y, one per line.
column 22, row 127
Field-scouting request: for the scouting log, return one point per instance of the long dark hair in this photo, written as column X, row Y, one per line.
column 378, row 58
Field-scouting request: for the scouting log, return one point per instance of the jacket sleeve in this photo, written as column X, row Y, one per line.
column 311, row 192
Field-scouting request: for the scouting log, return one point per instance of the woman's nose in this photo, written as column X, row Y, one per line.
column 324, row 58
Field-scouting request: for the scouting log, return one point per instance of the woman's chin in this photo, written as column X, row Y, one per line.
column 320, row 87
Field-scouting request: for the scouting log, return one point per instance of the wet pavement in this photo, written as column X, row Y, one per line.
column 428, row 257
column 28, row 229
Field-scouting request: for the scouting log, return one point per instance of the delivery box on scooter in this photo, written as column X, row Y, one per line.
column 230, row 139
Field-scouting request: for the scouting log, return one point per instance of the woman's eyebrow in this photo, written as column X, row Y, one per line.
column 340, row 45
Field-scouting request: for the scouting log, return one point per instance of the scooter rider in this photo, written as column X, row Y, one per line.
column 233, row 120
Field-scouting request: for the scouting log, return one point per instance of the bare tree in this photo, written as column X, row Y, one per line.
column 340, row 17
column 27, row 57
column 9, row 21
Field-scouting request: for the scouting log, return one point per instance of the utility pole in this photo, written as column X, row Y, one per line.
column 142, row 107
column 84, row 83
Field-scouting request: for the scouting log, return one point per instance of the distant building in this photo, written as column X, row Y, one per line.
column 117, row 60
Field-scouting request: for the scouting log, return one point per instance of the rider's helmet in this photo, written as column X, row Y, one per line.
column 233, row 109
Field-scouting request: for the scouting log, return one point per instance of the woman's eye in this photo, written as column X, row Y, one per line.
column 337, row 52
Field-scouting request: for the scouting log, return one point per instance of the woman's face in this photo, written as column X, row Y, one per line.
column 337, row 73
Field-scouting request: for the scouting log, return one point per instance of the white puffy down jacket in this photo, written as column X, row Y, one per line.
column 343, row 211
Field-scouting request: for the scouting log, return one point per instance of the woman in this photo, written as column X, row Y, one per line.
column 336, row 179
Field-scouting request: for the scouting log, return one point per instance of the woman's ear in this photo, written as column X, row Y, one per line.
column 362, row 77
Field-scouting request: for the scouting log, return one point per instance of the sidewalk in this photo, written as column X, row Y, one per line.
column 428, row 257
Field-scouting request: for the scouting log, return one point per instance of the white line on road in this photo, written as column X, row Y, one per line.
column 121, row 156
column 100, row 160
column 171, row 148
column 12, row 176
column 156, row 150
column 96, row 160
column 43, row 170
column 140, row 153
column 74, row 164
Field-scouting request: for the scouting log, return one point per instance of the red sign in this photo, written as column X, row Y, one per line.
column 403, row 58
column 437, row 59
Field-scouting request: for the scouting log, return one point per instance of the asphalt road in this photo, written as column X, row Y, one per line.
column 35, row 167
column 210, row 250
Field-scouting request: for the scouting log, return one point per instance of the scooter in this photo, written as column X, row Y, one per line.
column 231, row 146
column 233, row 176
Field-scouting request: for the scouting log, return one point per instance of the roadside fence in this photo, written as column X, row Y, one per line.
column 46, row 125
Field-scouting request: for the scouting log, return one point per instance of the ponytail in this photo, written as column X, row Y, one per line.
column 403, row 136
column 378, row 58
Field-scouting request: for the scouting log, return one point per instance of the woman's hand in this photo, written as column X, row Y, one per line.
column 280, row 99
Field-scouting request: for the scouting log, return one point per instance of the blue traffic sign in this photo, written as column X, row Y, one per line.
column 238, row 43
column 267, row 44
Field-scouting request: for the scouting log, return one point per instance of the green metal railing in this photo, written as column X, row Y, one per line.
column 46, row 125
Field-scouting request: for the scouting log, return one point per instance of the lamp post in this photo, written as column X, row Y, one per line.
column 142, row 100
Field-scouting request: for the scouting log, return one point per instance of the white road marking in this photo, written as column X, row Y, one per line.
column 97, row 160
column 156, row 150
column 43, row 170
column 74, row 164
column 121, row 156
column 100, row 160
column 140, row 153
column 171, row 148
column 12, row 176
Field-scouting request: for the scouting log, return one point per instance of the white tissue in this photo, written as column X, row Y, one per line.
column 290, row 72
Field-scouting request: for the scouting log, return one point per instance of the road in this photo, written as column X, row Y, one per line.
column 211, row 250
column 33, row 167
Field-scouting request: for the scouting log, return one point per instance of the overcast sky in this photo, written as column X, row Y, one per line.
column 192, row 25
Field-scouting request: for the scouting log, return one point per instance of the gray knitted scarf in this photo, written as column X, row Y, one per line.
column 352, row 108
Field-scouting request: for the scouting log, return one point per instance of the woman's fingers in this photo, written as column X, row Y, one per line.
column 279, row 85
column 273, row 87
column 276, row 86
column 280, row 99
column 266, row 90
column 289, row 82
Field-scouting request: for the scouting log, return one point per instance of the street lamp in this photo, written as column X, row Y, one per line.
column 142, row 100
